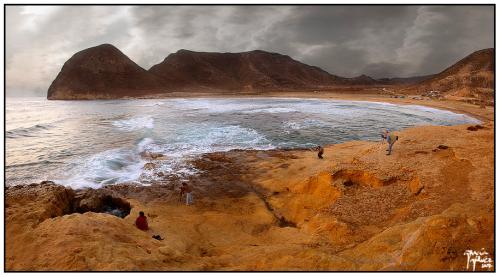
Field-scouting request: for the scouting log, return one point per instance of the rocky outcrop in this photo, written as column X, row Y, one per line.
column 34, row 203
column 100, row 201
column 103, row 72
column 432, row 243
column 48, row 200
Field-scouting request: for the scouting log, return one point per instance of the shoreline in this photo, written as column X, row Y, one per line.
column 447, row 104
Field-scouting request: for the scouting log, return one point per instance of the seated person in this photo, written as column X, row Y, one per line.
column 142, row 222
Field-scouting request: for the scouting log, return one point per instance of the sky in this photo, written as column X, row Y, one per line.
column 379, row 41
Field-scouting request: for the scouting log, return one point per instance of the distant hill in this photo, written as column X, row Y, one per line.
column 404, row 81
column 103, row 72
column 472, row 76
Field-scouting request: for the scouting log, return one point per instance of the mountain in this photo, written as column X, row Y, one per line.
column 103, row 72
column 472, row 76
column 247, row 71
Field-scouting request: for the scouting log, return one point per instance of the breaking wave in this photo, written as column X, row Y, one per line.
column 135, row 123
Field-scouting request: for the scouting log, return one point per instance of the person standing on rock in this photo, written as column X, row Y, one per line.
column 391, row 139
column 189, row 194
column 385, row 135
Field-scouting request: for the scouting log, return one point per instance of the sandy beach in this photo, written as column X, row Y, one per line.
column 357, row 209
column 366, row 94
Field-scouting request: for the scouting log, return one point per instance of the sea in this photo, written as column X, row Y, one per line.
column 95, row 143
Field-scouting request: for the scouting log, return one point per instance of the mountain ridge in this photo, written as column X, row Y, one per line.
column 104, row 72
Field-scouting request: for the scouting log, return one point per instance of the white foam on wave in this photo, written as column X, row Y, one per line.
column 307, row 123
column 135, row 123
column 204, row 138
column 144, row 144
column 113, row 166
column 230, row 137
column 247, row 106
column 199, row 139
column 271, row 110
column 122, row 165
column 194, row 141
column 154, row 104
column 108, row 167
column 450, row 116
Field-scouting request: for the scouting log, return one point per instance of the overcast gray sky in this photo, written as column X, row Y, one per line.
column 380, row 41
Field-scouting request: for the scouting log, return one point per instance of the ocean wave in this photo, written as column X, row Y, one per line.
column 28, row 131
column 135, row 123
column 297, row 125
column 108, row 167
column 45, row 162
column 155, row 104
column 199, row 139
column 218, row 106
column 271, row 110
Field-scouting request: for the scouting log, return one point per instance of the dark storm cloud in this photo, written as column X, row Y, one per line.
column 410, row 40
column 380, row 41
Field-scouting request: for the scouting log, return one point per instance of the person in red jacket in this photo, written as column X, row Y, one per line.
column 142, row 222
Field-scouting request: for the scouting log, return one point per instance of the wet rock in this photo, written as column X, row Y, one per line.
column 149, row 166
column 152, row 155
column 158, row 156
